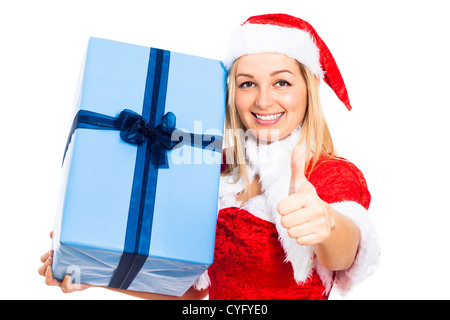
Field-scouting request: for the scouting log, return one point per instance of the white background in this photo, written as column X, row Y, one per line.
column 394, row 59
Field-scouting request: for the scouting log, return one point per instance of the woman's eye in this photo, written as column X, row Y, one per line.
column 247, row 84
column 282, row 83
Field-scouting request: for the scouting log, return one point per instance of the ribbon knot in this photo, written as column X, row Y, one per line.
column 135, row 130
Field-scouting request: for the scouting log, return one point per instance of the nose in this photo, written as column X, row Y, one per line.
column 264, row 98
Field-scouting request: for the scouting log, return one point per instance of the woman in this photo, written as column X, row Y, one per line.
column 292, row 221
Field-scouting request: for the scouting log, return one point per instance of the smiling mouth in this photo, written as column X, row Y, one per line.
column 268, row 117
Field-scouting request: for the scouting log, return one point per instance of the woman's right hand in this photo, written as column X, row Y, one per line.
column 66, row 284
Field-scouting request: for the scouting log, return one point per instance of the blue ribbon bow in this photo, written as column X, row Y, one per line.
column 135, row 130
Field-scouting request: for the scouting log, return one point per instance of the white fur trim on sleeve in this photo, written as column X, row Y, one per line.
column 368, row 251
column 202, row 282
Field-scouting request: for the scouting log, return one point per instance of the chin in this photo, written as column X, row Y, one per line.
column 270, row 135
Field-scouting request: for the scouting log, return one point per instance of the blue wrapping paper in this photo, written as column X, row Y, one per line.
column 130, row 217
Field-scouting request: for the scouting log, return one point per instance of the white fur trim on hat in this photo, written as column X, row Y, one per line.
column 256, row 38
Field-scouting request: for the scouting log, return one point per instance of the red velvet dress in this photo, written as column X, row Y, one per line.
column 249, row 260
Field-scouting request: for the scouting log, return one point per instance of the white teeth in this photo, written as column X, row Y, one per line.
column 271, row 117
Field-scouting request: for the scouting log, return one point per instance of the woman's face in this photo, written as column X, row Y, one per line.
column 271, row 94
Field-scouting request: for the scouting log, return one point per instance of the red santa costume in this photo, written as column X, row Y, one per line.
column 254, row 256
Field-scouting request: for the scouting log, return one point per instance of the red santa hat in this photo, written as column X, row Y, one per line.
column 293, row 37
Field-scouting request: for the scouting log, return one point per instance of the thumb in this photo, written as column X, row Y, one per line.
column 298, row 158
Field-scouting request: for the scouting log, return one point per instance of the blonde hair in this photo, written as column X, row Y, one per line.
column 315, row 131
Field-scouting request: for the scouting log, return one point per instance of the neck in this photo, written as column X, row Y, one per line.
column 262, row 154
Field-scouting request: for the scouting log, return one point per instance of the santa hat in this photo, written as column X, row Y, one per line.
column 293, row 37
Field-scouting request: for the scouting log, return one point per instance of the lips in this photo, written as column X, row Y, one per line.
column 268, row 118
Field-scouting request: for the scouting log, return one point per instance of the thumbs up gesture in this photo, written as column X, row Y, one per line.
column 303, row 213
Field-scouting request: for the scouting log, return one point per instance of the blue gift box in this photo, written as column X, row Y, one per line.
column 136, row 213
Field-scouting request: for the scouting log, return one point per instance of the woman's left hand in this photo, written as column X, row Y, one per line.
column 304, row 215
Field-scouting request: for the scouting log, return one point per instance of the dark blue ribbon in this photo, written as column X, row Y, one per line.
column 153, row 133
column 135, row 130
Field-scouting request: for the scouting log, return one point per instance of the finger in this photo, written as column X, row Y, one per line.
column 49, row 280
column 51, row 234
column 45, row 256
column 298, row 158
column 43, row 268
column 315, row 226
column 309, row 240
column 291, row 204
column 48, row 256
column 66, row 285
column 298, row 217
column 310, row 233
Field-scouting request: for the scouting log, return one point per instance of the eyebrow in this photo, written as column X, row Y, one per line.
column 244, row 75
column 280, row 71
column 272, row 74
